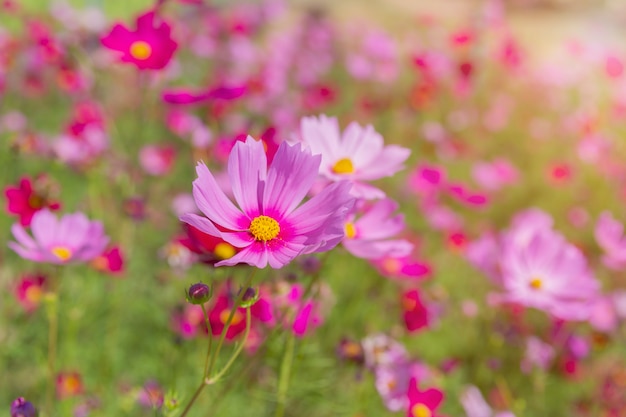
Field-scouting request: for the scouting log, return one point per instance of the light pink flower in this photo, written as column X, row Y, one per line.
column 541, row 269
column 494, row 175
column 370, row 236
column 538, row 354
column 609, row 234
column 268, row 226
column 357, row 155
column 73, row 238
column 157, row 160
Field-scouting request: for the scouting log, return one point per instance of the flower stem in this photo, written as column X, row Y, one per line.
column 214, row 379
column 53, row 330
column 210, row 332
column 207, row 370
column 285, row 372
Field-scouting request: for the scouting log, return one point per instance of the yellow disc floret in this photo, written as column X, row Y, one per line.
column 140, row 50
column 61, row 252
column 350, row 230
column 420, row 410
column 264, row 228
column 536, row 283
column 224, row 250
column 343, row 166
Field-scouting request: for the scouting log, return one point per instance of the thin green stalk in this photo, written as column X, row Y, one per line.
column 285, row 372
column 207, row 372
column 214, row 379
column 208, row 353
column 53, row 331
column 228, row 322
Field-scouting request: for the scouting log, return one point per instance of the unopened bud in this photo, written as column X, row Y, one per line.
column 23, row 408
column 250, row 296
column 199, row 293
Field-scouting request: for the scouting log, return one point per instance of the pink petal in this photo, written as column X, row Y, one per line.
column 247, row 169
column 214, row 204
column 289, row 179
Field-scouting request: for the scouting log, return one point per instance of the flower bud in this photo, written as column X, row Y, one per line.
column 250, row 296
column 199, row 293
column 23, row 408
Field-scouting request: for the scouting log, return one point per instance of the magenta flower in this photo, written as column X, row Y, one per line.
column 423, row 403
column 357, row 155
column 73, row 238
column 370, row 236
column 150, row 46
column 269, row 226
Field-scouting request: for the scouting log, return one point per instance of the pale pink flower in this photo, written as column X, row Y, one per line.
column 370, row 236
column 538, row 354
column 609, row 234
column 494, row 175
column 73, row 238
column 157, row 160
column 357, row 155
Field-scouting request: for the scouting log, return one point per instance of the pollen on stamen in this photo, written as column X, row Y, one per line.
column 140, row 50
column 350, row 230
column 343, row 166
column 61, row 252
column 264, row 228
column 535, row 283
column 420, row 410
column 237, row 317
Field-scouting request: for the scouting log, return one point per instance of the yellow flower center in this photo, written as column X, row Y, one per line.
column 237, row 317
column 140, row 50
column 350, row 230
column 224, row 250
column 535, row 283
column 33, row 294
column 36, row 202
column 391, row 265
column 420, row 410
column 343, row 166
column 101, row 263
column 61, row 252
column 264, row 228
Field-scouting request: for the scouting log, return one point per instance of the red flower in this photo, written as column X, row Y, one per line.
column 29, row 291
column 24, row 201
column 69, row 384
column 415, row 312
column 110, row 261
column 149, row 47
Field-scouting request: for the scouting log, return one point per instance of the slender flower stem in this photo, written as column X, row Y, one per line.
column 214, row 379
column 208, row 352
column 229, row 321
column 53, row 330
column 207, row 371
column 285, row 372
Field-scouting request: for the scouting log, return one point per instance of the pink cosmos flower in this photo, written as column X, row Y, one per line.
column 475, row 405
column 538, row 354
column 30, row 290
column 157, row 160
column 402, row 267
column 546, row 272
column 423, row 403
column 494, row 175
column 369, row 236
column 268, row 226
column 357, row 155
column 149, row 47
column 415, row 312
column 609, row 234
column 27, row 198
column 73, row 238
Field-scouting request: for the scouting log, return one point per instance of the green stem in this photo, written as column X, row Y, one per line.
column 214, row 379
column 285, row 372
column 207, row 372
column 228, row 322
column 53, row 330
column 208, row 352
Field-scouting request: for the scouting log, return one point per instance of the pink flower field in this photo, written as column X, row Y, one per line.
column 284, row 209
